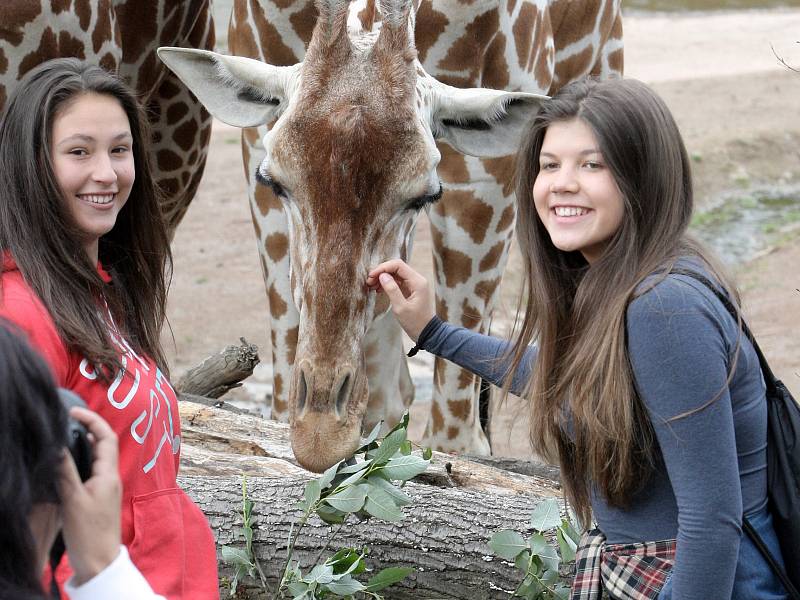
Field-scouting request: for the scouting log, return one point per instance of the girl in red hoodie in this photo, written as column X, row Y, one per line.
column 85, row 260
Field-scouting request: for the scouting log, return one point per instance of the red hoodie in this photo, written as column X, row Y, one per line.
column 167, row 535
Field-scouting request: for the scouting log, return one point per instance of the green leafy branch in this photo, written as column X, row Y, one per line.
column 363, row 486
column 535, row 557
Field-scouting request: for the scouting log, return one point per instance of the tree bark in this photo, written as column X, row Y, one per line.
column 221, row 372
column 457, row 506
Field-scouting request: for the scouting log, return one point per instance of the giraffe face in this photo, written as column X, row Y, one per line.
column 352, row 155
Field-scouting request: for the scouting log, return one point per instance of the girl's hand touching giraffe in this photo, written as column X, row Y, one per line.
column 408, row 292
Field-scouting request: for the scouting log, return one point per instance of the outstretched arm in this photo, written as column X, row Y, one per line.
column 412, row 304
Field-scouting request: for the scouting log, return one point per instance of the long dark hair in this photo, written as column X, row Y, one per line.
column 32, row 439
column 38, row 231
column 576, row 314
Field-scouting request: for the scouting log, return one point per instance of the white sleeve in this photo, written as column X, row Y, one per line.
column 120, row 580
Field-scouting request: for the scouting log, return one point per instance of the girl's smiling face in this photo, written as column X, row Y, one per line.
column 576, row 196
column 93, row 163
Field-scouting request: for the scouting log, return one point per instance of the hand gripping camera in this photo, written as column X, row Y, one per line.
column 81, row 450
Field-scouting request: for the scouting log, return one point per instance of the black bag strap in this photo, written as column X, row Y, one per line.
column 771, row 383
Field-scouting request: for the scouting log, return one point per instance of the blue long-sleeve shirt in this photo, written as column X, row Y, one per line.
column 712, row 467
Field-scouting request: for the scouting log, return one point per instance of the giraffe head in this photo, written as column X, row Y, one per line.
column 352, row 155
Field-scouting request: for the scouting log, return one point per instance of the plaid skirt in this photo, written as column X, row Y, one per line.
column 620, row 571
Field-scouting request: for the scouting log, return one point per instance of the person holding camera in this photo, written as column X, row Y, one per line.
column 85, row 261
column 42, row 493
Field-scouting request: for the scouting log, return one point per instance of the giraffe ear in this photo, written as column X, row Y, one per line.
column 238, row 91
column 482, row 122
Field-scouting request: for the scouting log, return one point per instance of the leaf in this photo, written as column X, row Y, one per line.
column 566, row 545
column 402, row 424
column 297, row 589
column 562, row 592
column 367, row 441
column 327, row 476
column 523, row 560
column 546, row 516
column 380, row 505
column 235, row 556
column 571, row 530
column 427, row 453
column 549, row 558
column 355, row 468
column 399, row 496
column 537, row 543
column 387, row 577
column 389, row 447
column 406, row 448
column 346, row 586
column 320, row 574
column 350, row 499
column 312, row 492
column 507, row 544
column 405, row 467
column 330, row 515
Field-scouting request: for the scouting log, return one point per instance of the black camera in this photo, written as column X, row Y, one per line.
column 77, row 437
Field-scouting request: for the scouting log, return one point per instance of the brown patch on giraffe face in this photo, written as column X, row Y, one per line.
column 59, row 6
column 510, row 4
column 52, row 46
column 277, row 306
column 429, row 26
column 470, row 213
column 466, row 53
column 470, row 316
column 14, row 16
column 452, row 432
column 492, row 258
column 485, row 289
column 277, row 386
column 506, row 219
column 277, row 245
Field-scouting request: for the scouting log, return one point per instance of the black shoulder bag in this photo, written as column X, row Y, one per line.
column 783, row 461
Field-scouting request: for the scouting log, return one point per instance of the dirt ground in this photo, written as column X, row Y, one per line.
column 737, row 107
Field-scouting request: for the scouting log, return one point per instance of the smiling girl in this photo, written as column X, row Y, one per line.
column 85, row 259
column 640, row 383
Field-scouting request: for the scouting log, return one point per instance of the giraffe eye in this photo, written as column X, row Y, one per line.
column 421, row 202
column 268, row 181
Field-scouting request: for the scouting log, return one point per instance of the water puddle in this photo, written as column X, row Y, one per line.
column 741, row 226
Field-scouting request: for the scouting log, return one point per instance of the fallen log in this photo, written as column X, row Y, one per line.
column 457, row 505
column 221, row 372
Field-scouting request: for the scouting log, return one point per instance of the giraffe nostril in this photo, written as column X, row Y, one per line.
column 341, row 392
column 302, row 389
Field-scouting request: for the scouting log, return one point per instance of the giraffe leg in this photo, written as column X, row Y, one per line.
column 391, row 390
column 471, row 229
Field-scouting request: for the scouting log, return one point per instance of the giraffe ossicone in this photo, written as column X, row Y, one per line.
column 353, row 158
